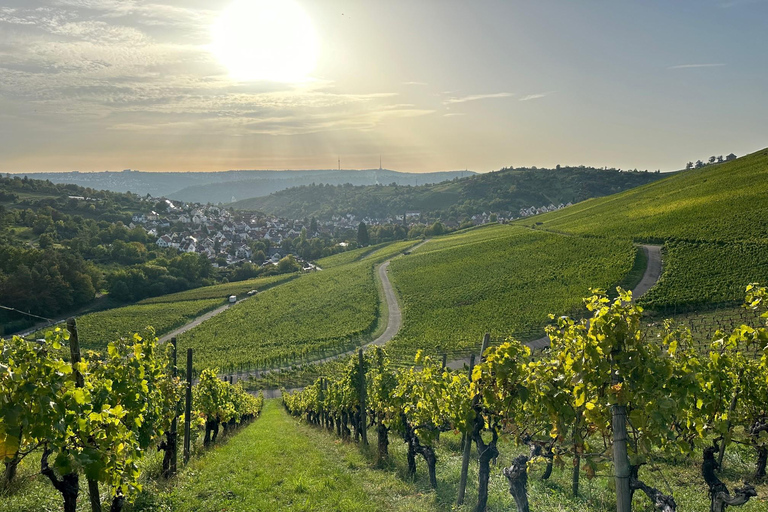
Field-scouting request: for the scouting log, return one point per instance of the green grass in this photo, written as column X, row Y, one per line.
column 277, row 464
column 223, row 291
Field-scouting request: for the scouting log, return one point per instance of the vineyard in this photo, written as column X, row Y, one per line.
column 321, row 314
column 697, row 274
column 501, row 278
column 98, row 329
column 96, row 417
column 711, row 220
column 571, row 406
column 344, row 258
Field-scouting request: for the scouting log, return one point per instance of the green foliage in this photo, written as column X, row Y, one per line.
column 499, row 385
column 362, row 235
column 697, row 274
column 98, row 417
column 26, row 419
column 214, row 399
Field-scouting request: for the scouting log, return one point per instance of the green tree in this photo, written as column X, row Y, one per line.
column 362, row 235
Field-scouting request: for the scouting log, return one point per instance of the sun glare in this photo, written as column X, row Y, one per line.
column 266, row 40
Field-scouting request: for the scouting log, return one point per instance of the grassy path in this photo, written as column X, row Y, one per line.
column 278, row 464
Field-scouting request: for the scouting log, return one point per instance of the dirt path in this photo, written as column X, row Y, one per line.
column 197, row 321
column 652, row 270
column 650, row 277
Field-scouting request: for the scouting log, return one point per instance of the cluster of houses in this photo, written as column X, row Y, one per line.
column 527, row 212
column 217, row 233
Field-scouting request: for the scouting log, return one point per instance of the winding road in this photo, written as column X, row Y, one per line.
column 394, row 322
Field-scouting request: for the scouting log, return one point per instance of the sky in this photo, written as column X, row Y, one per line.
column 427, row 85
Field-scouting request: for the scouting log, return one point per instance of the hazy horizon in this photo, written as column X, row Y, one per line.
column 191, row 85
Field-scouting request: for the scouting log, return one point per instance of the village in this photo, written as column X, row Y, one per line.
column 228, row 237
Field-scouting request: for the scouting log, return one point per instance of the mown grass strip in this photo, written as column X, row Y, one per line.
column 277, row 464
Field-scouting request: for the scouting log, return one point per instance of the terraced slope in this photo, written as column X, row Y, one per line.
column 502, row 279
column 714, row 222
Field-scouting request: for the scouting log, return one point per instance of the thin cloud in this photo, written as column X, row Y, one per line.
column 708, row 65
column 415, row 83
column 736, row 3
column 476, row 97
column 535, row 96
column 454, row 114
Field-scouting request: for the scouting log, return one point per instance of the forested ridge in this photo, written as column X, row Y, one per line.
column 504, row 191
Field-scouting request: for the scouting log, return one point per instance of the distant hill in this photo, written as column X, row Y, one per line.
column 222, row 187
column 502, row 191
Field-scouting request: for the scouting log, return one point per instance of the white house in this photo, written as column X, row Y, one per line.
column 164, row 241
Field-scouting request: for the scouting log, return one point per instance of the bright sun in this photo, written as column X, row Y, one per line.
column 266, row 40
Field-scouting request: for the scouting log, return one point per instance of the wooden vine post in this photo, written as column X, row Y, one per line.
column 188, row 407
column 74, row 354
column 173, row 438
column 467, row 439
column 621, row 466
column 466, row 444
column 361, row 384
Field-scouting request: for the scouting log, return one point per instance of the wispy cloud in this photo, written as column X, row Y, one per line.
column 415, row 83
column 454, row 114
column 71, row 66
column 476, row 97
column 535, row 96
column 707, row 65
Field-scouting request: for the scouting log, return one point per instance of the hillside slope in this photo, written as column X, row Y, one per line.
column 713, row 222
column 507, row 190
column 727, row 201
